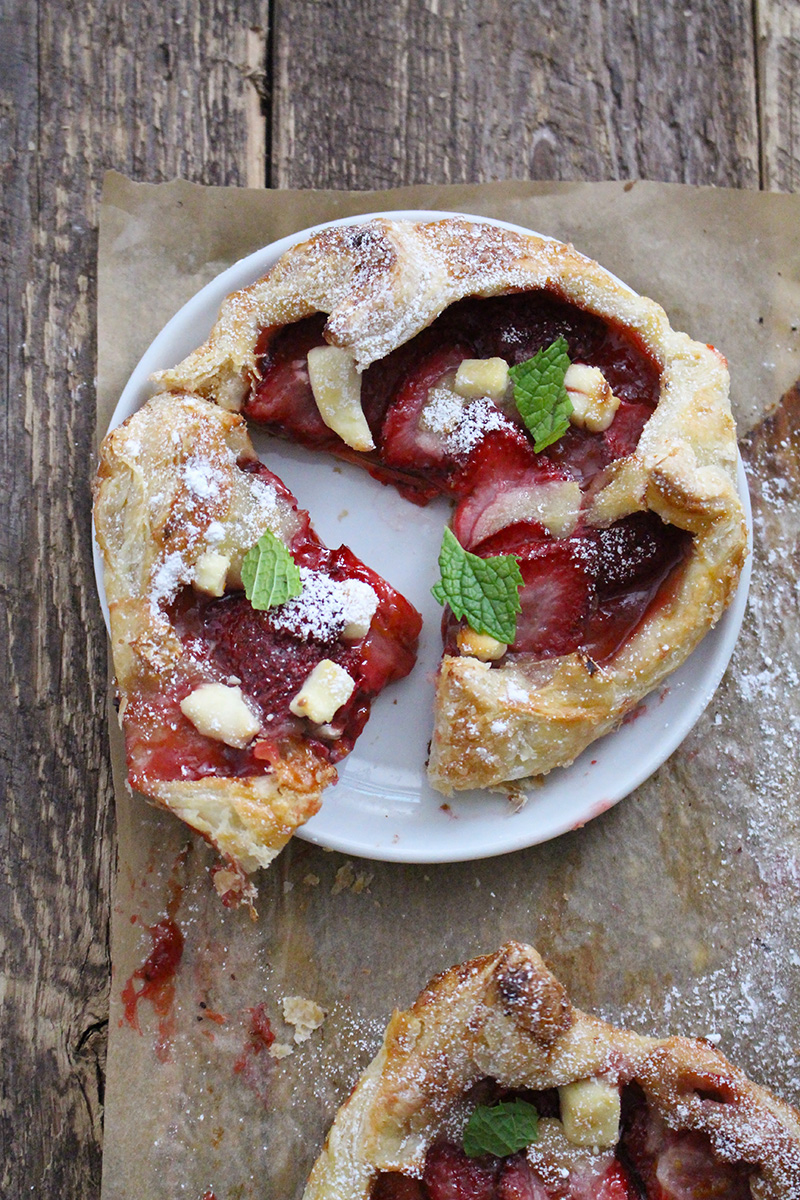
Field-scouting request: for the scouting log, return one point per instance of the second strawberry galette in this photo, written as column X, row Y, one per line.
column 492, row 1086
column 589, row 449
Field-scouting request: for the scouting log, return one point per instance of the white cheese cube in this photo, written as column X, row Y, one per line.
column 360, row 604
column 211, row 573
column 482, row 377
column 594, row 405
column 324, row 692
column 590, row 1112
column 221, row 713
column 480, row 645
column 336, row 385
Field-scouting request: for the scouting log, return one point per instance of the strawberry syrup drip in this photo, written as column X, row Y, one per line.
column 157, row 974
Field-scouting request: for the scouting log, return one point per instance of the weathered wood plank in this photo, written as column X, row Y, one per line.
column 778, row 27
column 371, row 94
column 155, row 91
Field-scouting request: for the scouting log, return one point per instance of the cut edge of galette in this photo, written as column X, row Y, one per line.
column 238, row 693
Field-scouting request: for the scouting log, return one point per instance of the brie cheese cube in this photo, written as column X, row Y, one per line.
column 480, row 645
column 360, row 604
column 211, row 573
column 594, row 405
column 221, row 712
column 336, row 385
column 324, row 692
column 590, row 1112
column 482, row 377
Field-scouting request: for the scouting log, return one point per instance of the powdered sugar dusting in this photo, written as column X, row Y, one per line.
column 323, row 609
column 479, row 418
column 462, row 425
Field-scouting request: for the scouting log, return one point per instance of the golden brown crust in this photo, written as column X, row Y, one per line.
column 506, row 1017
column 381, row 283
column 152, row 525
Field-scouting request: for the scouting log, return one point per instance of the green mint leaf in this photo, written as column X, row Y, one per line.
column 540, row 395
column 269, row 573
column 483, row 590
column 501, row 1129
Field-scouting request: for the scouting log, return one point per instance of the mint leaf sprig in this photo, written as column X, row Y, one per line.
column 501, row 1129
column 484, row 591
column 540, row 395
column 269, row 573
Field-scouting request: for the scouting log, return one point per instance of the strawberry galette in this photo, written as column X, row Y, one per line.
column 493, row 1087
column 246, row 653
column 588, row 447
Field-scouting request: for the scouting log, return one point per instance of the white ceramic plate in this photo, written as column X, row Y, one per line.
column 382, row 806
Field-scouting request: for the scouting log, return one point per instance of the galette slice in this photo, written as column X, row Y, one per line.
column 493, row 1087
column 246, row 653
column 404, row 346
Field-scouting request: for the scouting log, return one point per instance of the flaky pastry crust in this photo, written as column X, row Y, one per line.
column 506, row 1017
column 151, row 528
column 380, row 284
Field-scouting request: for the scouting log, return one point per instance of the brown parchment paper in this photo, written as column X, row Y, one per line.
column 677, row 911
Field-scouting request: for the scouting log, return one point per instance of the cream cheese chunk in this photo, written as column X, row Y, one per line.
column 324, row 692
column 211, row 573
column 336, row 385
column 590, row 1112
column 594, row 405
column 360, row 605
column 482, row 377
column 221, row 712
column 480, row 645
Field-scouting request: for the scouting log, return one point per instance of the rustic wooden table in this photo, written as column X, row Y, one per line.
column 300, row 93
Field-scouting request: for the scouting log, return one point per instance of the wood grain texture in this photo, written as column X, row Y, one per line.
column 350, row 93
column 445, row 91
column 154, row 90
column 778, row 23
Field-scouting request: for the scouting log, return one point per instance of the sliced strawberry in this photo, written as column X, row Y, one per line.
column 687, row 1168
column 450, row 1175
column 519, row 1182
column 502, row 454
column 580, row 453
column 390, row 1185
column 616, row 1184
column 403, row 443
column 282, row 398
column 474, row 513
column 557, row 596
column 622, row 435
column 637, row 551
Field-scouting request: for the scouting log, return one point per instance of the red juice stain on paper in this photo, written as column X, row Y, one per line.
column 157, row 974
column 251, row 1065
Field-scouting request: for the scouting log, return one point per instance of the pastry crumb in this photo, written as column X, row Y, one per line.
column 281, row 1049
column 306, row 1016
column 311, row 880
column 347, row 878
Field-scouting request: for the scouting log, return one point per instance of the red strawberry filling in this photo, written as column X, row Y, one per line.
column 270, row 661
column 584, row 589
column 650, row 1162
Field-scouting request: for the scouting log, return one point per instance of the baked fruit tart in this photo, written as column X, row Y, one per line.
column 493, row 1087
column 588, row 448
column 246, row 653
